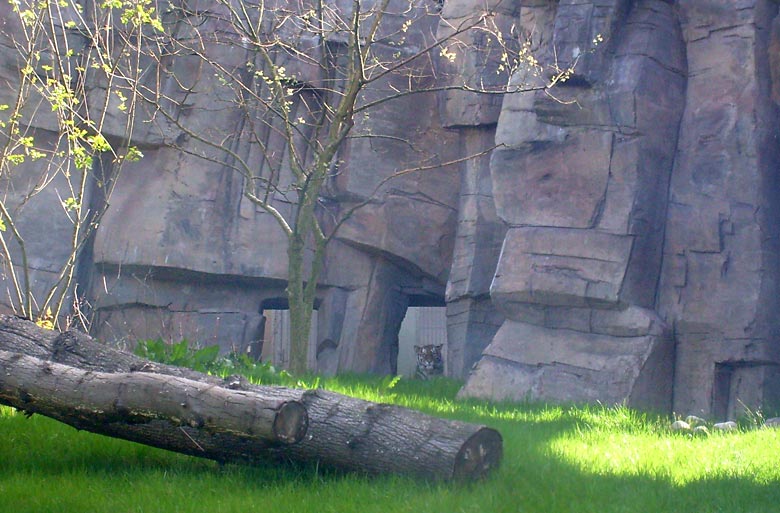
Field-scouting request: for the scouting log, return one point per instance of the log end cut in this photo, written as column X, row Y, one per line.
column 480, row 455
column 291, row 422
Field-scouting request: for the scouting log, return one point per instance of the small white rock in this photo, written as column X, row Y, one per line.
column 680, row 425
column 725, row 426
column 773, row 422
column 693, row 420
column 701, row 430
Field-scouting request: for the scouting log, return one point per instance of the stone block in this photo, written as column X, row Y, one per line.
column 553, row 185
column 417, row 231
column 558, row 317
column 479, row 233
column 629, row 322
column 560, row 267
column 372, row 319
column 531, row 362
column 476, row 72
column 577, row 24
column 178, row 212
column 774, row 59
column 232, row 331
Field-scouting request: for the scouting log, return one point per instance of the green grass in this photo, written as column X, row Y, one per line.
column 557, row 459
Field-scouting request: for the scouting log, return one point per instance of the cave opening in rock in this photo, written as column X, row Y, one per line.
column 425, row 323
column 722, row 391
column 745, row 388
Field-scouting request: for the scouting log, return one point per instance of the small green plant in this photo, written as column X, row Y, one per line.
column 180, row 354
column 256, row 372
column 209, row 360
column 751, row 418
column 386, row 385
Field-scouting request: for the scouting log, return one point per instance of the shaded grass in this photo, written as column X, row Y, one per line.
column 557, row 459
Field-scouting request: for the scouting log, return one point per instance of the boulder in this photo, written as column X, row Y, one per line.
column 532, row 362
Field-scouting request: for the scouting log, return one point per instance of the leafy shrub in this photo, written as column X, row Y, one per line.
column 208, row 360
column 180, row 354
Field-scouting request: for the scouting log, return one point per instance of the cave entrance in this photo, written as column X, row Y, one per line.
column 743, row 387
column 425, row 323
column 275, row 332
column 722, row 404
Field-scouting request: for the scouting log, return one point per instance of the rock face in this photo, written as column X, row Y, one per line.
column 615, row 239
column 647, row 205
column 584, row 196
column 721, row 255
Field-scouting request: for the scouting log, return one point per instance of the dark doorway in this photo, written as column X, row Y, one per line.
column 425, row 323
column 721, row 390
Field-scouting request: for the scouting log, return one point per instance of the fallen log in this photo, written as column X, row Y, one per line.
column 93, row 400
column 353, row 434
column 343, row 432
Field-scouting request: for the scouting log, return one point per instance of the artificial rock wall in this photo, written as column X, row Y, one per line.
column 619, row 244
column 640, row 261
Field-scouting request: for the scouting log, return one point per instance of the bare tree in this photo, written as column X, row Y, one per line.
column 300, row 78
column 67, row 113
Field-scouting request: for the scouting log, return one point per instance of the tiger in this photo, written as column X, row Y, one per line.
column 429, row 361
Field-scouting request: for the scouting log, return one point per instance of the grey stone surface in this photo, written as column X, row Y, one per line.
column 562, row 185
column 584, row 194
column 720, row 252
column 774, row 422
column 35, row 196
column 560, row 267
column 695, row 420
column 475, row 63
column 479, row 233
column 538, row 363
column 616, row 237
column 473, row 319
column 471, row 324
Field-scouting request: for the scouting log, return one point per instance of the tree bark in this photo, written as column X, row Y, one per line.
column 91, row 400
column 343, row 432
column 300, row 305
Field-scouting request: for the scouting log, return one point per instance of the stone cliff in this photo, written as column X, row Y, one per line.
column 619, row 244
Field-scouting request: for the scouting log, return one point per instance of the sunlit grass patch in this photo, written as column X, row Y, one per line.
column 679, row 458
column 619, row 443
column 557, row 458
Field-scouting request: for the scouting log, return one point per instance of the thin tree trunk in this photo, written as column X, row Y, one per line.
column 300, row 318
column 344, row 432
